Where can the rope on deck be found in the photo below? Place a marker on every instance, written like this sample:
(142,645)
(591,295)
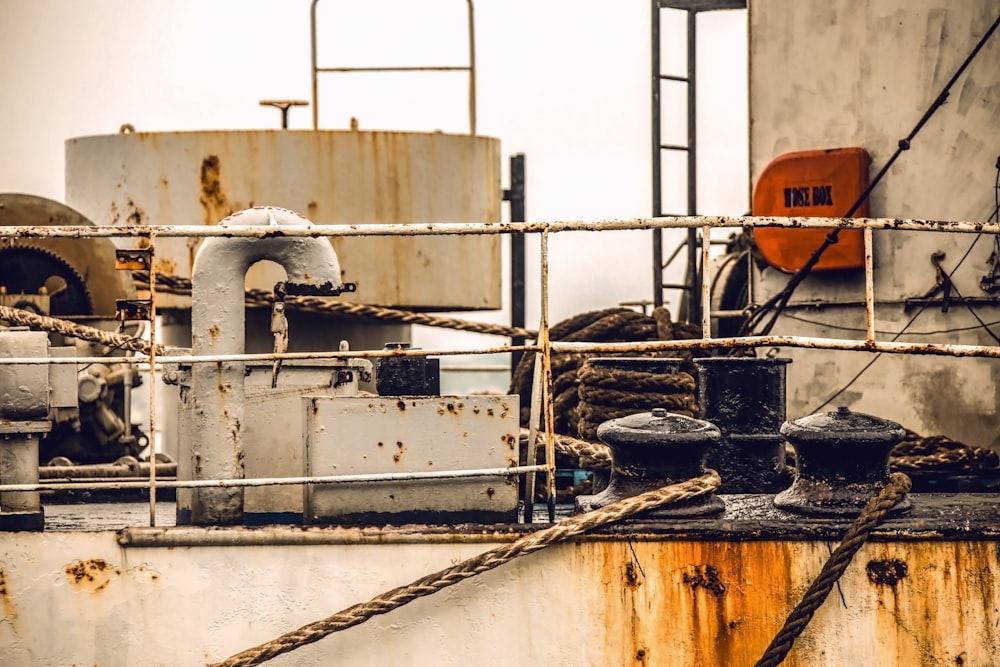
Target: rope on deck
(471,567)
(871,515)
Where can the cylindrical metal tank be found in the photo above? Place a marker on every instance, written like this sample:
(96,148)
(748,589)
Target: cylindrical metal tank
(330,177)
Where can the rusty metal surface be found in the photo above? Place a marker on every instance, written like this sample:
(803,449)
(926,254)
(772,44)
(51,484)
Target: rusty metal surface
(358,178)
(405,434)
(619,601)
(970,517)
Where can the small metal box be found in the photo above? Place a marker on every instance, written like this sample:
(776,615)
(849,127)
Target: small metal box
(411,434)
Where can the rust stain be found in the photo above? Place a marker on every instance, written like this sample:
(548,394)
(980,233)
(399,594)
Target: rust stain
(167,266)
(632,575)
(136,215)
(707,577)
(93,574)
(401,405)
(886,572)
(213,199)
(8,604)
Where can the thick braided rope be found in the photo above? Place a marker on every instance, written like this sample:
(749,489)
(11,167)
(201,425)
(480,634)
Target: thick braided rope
(262,298)
(857,534)
(432,583)
(66,328)
(590,454)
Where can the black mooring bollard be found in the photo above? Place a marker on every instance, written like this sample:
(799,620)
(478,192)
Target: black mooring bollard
(842,462)
(745,398)
(651,450)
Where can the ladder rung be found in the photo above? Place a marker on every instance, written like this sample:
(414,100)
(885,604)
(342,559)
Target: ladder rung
(673,77)
(674,147)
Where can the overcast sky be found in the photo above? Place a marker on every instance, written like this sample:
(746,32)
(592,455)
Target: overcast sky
(565,82)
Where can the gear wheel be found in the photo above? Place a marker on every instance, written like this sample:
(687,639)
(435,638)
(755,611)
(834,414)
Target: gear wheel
(26,269)
(84,280)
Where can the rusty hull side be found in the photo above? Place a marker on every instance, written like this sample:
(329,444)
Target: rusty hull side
(923,591)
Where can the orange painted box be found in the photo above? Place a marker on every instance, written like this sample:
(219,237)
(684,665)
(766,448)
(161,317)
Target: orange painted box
(818,184)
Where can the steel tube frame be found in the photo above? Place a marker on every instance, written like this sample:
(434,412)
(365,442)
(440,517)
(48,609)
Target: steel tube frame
(544,346)
(470,68)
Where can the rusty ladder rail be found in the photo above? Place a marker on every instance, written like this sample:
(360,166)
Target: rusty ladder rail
(470,68)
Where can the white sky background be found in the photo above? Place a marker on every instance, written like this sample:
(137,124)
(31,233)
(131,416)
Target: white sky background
(565,82)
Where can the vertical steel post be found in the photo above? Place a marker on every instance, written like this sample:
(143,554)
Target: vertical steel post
(693,273)
(516,196)
(656,157)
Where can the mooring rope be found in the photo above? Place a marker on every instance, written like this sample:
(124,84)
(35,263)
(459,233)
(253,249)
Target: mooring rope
(591,455)
(261,298)
(26,318)
(940,454)
(871,515)
(471,567)
(606,392)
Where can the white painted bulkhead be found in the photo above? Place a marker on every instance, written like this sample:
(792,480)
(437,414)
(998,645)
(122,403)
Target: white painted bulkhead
(856,73)
(79,598)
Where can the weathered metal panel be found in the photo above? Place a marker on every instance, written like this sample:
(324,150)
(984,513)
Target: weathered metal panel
(330,177)
(856,73)
(24,389)
(274,442)
(627,600)
(346,436)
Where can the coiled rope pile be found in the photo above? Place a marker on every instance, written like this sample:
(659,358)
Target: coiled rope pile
(584,397)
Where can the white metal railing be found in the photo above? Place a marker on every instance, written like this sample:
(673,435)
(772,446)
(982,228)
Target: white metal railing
(543,347)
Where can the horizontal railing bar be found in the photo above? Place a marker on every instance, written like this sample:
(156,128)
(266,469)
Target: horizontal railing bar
(276,481)
(403,68)
(891,347)
(459,228)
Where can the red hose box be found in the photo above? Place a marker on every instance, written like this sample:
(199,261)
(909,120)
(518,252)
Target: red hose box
(817,184)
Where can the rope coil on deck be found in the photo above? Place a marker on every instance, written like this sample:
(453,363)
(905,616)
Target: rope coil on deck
(583,397)
(871,515)
(427,585)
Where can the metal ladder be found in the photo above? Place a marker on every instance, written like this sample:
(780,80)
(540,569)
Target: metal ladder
(692,276)
(470,68)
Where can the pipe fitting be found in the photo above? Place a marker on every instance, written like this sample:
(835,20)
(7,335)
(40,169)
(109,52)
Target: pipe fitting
(217,327)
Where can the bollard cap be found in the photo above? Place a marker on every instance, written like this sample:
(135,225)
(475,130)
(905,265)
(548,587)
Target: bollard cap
(656,427)
(843,426)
